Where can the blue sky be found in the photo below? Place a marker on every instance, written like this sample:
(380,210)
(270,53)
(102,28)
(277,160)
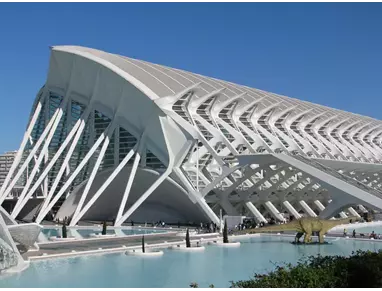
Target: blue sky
(326,53)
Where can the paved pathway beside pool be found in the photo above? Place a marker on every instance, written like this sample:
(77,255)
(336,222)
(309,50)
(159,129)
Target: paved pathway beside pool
(110,243)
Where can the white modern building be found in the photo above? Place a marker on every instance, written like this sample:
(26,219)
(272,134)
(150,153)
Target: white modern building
(115,138)
(6,161)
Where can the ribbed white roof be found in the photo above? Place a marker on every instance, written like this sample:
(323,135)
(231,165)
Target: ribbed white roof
(165,81)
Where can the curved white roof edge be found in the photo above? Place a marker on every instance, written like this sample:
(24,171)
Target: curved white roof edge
(138,84)
(164,75)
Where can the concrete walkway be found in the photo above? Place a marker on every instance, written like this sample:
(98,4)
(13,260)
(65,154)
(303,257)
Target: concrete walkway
(104,245)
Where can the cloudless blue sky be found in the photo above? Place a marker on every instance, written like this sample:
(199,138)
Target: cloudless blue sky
(326,53)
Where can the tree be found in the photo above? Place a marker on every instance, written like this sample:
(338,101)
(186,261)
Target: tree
(143,244)
(188,243)
(104,227)
(363,269)
(225,233)
(64,232)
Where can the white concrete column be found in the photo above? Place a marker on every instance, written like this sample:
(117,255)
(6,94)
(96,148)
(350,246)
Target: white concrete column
(105,185)
(252,208)
(228,207)
(147,193)
(343,215)
(90,180)
(353,212)
(319,205)
(44,211)
(30,156)
(211,215)
(291,209)
(362,208)
(21,149)
(129,183)
(273,210)
(307,209)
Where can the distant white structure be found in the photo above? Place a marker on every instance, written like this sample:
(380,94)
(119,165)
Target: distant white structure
(110,137)
(6,161)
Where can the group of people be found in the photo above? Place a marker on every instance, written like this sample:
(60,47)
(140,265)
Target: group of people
(372,235)
(209,227)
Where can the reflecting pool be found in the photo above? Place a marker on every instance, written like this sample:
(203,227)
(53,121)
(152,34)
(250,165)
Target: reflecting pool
(216,265)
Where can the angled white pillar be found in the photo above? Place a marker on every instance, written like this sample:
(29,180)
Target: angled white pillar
(307,209)
(21,149)
(44,212)
(91,179)
(273,210)
(130,182)
(30,156)
(319,205)
(35,160)
(211,215)
(291,209)
(105,185)
(353,212)
(45,186)
(362,208)
(252,208)
(343,215)
(65,163)
(147,193)
(227,206)
(60,111)
(20,204)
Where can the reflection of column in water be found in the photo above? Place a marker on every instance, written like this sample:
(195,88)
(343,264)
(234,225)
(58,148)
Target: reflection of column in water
(119,232)
(42,237)
(74,232)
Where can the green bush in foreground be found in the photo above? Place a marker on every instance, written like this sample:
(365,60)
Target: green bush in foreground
(363,269)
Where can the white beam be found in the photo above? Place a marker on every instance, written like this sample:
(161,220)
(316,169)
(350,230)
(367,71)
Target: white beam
(129,183)
(319,205)
(252,208)
(21,203)
(307,209)
(21,149)
(30,156)
(45,211)
(106,184)
(353,212)
(145,195)
(276,214)
(91,179)
(291,209)
(79,127)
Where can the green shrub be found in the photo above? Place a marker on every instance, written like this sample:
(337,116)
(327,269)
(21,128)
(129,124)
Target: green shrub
(188,243)
(360,270)
(225,233)
(363,269)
